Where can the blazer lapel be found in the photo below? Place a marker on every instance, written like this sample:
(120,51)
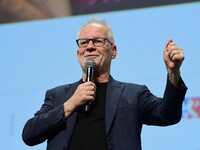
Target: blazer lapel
(113,95)
(71,121)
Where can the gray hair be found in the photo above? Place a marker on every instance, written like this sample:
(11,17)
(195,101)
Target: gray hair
(101,22)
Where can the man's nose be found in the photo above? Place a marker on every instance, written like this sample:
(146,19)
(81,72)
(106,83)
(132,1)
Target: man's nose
(91,44)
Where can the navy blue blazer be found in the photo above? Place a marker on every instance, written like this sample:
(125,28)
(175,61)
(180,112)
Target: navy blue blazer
(128,107)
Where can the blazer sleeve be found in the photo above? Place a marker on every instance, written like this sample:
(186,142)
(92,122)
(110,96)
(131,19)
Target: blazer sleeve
(163,111)
(44,122)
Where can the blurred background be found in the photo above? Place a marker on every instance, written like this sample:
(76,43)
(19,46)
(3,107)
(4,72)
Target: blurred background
(38,52)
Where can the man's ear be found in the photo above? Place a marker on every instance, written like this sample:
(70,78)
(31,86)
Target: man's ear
(114,51)
(77,53)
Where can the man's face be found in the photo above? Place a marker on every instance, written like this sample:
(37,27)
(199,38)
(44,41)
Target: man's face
(102,55)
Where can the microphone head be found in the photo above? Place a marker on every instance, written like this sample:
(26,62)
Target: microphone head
(90,63)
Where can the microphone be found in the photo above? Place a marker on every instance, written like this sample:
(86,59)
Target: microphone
(89,67)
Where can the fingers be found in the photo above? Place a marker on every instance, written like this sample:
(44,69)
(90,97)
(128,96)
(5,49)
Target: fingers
(168,42)
(176,55)
(165,52)
(174,52)
(85,92)
(89,90)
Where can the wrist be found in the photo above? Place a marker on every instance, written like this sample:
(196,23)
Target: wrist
(174,77)
(68,108)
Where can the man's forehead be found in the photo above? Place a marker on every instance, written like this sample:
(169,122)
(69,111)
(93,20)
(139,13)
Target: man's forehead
(93,28)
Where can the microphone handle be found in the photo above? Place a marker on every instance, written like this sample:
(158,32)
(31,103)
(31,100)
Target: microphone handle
(89,77)
(87,107)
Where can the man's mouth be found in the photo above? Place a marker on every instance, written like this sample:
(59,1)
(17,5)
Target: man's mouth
(91,56)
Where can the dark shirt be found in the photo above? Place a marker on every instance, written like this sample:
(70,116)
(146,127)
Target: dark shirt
(89,133)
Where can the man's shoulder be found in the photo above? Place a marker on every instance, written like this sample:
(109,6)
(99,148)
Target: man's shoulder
(126,84)
(65,87)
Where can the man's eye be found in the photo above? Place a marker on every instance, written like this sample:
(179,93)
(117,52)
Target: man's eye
(98,41)
(83,42)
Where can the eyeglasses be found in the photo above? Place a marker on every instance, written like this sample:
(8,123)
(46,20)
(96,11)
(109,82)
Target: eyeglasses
(98,42)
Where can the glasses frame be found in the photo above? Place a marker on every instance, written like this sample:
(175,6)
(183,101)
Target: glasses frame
(92,39)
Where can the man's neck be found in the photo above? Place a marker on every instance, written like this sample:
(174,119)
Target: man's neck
(103,78)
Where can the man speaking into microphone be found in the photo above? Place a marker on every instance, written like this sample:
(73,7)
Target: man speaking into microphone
(117,110)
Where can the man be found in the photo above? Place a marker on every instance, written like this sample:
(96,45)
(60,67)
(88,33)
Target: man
(118,109)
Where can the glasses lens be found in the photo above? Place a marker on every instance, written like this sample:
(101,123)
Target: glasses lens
(98,42)
(83,42)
